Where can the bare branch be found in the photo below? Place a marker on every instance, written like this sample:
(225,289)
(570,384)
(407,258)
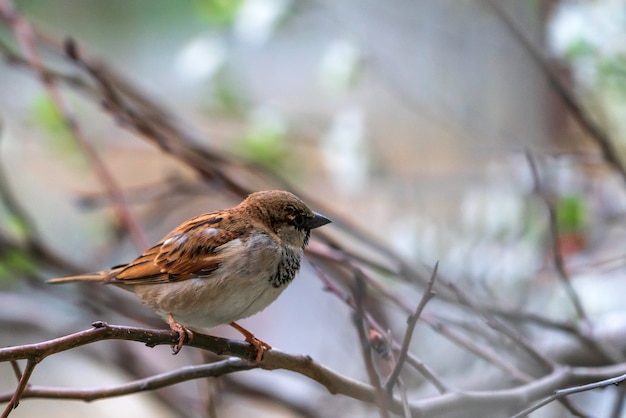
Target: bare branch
(102,331)
(426,372)
(486,353)
(21,387)
(570,391)
(504,329)
(183,374)
(412,321)
(16,369)
(359,322)
(559,263)
(272,359)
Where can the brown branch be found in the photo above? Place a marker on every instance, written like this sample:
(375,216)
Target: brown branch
(16,369)
(272,359)
(411,322)
(359,322)
(21,387)
(11,57)
(102,331)
(216,369)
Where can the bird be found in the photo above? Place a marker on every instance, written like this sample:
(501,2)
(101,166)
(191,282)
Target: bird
(221,266)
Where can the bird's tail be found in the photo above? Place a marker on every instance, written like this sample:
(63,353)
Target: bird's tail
(101,276)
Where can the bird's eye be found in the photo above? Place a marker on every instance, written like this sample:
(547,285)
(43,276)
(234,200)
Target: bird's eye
(298,221)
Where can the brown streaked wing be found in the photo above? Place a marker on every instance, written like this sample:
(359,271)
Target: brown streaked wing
(180,256)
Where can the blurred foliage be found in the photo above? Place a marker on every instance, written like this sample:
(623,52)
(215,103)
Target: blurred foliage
(218,12)
(47,116)
(578,49)
(612,74)
(13,262)
(571,214)
(265,142)
(16,226)
(228,95)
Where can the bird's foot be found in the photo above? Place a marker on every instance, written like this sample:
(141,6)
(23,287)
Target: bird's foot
(181,331)
(251,339)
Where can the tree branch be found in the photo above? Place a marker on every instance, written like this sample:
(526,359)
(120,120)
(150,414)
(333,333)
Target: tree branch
(412,321)
(216,369)
(272,360)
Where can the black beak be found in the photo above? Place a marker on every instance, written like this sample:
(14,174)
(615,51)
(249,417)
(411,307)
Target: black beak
(316,221)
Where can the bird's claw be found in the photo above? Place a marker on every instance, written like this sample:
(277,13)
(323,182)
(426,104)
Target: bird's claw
(182,333)
(260,347)
(251,339)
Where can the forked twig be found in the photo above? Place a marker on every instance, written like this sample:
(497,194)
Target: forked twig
(21,387)
(561,393)
(557,254)
(411,322)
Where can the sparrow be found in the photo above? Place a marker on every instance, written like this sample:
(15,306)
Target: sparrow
(221,266)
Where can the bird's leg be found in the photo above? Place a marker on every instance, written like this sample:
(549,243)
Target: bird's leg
(181,331)
(251,339)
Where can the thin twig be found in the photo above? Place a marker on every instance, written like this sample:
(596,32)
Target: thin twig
(359,322)
(486,353)
(184,374)
(16,369)
(21,387)
(419,365)
(482,352)
(570,391)
(504,329)
(411,322)
(557,254)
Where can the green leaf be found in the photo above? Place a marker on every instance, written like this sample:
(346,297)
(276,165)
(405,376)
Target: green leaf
(218,12)
(578,49)
(571,214)
(612,74)
(16,226)
(228,96)
(265,142)
(5,273)
(13,263)
(47,115)
(20,261)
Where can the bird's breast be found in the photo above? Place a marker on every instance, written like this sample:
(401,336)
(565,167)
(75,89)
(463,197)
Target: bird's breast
(288,266)
(253,273)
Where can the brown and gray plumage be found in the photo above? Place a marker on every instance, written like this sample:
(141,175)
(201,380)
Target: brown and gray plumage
(221,266)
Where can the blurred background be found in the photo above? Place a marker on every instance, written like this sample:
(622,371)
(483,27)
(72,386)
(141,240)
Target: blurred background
(410,120)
